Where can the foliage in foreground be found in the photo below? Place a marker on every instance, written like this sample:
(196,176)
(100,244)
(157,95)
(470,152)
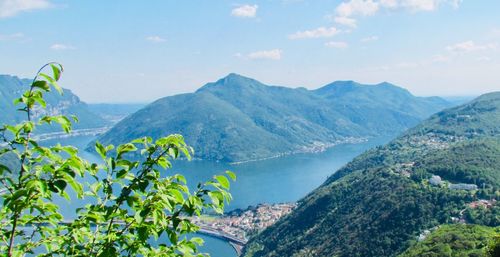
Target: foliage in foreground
(130,203)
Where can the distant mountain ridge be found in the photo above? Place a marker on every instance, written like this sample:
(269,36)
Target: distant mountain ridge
(240,119)
(12,87)
(445,170)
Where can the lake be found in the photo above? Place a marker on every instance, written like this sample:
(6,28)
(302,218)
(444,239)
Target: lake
(285,179)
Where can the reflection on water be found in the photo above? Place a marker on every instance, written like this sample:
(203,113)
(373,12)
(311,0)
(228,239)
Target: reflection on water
(284,179)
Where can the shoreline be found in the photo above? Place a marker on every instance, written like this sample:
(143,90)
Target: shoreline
(322,147)
(73,133)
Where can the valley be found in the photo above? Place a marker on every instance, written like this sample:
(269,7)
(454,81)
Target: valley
(284,128)
(288,170)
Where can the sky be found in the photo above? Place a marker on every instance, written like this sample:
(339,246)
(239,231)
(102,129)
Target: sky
(139,51)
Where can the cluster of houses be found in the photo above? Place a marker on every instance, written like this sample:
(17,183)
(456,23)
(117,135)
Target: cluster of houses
(434,141)
(240,223)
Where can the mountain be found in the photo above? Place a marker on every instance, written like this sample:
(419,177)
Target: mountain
(444,170)
(12,87)
(241,119)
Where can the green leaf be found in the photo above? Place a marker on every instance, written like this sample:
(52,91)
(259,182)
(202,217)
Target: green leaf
(37,97)
(64,122)
(121,173)
(197,240)
(177,195)
(231,175)
(100,150)
(223,181)
(41,84)
(57,186)
(56,71)
(53,82)
(125,148)
(74,184)
(4,168)
(163,162)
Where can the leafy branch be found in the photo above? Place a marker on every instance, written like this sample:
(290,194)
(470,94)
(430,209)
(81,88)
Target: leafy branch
(130,202)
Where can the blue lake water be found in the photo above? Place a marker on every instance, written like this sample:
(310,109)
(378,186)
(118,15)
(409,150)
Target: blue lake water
(285,179)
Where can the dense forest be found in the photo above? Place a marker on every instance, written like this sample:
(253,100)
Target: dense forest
(454,241)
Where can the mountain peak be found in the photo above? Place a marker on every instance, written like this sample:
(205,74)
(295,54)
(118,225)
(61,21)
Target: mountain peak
(233,75)
(385,83)
(235,78)
(232,81)
(343,87)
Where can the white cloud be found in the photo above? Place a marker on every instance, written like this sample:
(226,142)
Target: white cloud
(315,33)
(245,11)
(369,39)
(347,11)
(274,54)
(336,44)
(470,46)
(346,21)
(10,8)
(418,5)
(9,37)
(357,7)
(425,5)
(421,5)
(155,39)
(389,3)
(62,47)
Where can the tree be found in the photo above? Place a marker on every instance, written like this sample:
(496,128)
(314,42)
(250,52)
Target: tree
(132,202)
(494,247)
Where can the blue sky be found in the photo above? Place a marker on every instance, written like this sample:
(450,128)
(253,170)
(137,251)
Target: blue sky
(138,51)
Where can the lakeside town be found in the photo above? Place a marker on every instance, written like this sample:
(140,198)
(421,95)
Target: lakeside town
(242,224)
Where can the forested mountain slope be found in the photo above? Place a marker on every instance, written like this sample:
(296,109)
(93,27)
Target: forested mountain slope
(241,119)
(378,204)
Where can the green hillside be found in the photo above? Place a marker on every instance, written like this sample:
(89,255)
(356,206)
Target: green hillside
(12,87)
(454,241)
(240,119)
(378,204)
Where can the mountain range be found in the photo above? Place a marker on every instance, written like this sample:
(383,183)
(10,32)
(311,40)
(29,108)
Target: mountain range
(12,87)
(239,119)
(446,170)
